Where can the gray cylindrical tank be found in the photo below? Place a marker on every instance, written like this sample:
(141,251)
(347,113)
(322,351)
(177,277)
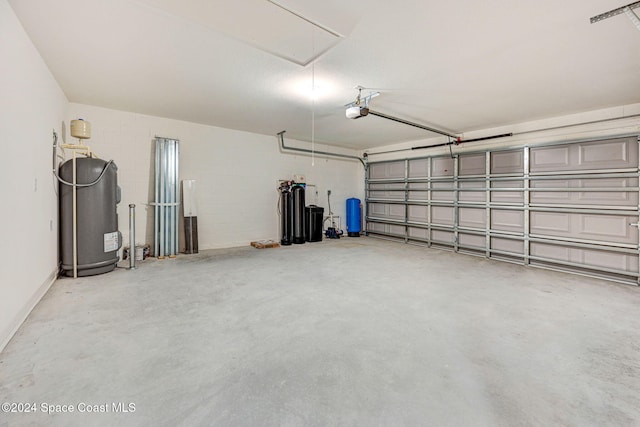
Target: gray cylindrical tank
(98,235)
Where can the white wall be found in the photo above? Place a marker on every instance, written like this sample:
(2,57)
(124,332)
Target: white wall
(32,105)
(236,174)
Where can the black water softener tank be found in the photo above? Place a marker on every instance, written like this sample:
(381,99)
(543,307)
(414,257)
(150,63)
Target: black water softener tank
(298,213)
(313,223)
(97,218)
(286,215)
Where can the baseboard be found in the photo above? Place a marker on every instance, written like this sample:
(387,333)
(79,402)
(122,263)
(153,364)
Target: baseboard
(19,319)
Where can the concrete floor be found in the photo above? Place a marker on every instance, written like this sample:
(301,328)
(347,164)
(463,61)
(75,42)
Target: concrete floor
(344,332)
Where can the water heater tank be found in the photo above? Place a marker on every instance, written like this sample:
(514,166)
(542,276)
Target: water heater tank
(97,219)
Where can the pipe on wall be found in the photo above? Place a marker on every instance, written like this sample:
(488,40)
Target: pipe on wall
(306,150)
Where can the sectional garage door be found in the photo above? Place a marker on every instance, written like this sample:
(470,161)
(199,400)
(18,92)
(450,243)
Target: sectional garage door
(570,207)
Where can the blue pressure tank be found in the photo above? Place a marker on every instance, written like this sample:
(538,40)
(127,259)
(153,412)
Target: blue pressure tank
(353,217)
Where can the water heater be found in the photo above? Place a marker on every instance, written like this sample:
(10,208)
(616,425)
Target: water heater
(98,238)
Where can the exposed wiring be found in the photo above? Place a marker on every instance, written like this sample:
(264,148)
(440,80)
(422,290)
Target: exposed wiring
(104,170)
(56,156)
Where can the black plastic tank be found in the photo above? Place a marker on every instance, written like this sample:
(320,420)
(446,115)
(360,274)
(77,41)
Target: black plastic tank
(286,216)
(97,219)
(298,213)
(313,223)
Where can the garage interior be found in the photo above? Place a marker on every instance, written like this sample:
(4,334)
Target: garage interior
(478,253)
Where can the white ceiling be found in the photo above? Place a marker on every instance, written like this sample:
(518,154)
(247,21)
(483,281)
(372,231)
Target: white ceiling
(457,65)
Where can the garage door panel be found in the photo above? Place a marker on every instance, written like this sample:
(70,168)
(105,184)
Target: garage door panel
(388,211)
(377,171)
(511,162)
(418,168)
(442,215)
(586,257)
(442,195)
(386,191)
(507,245)
(599,227)
(376,227)
(396,212)
(507,220)
(560,253)
(472,164)
(440,236)
(418,186)
(397,193)
(378,194)
(604,155)
(472,240)
(615,198)
(573,216)
(551,223)
(610,198)
(507,196)
(550,158)
(395,170)
(605,259)
(608,227)
(558,197)
(442,166)
(587,198)
(387,170)
(418,195)
(418,191)
(471,217)
(418,233)
(378,209)
(473,196)
(610,154)
(397,230)
(418,213)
